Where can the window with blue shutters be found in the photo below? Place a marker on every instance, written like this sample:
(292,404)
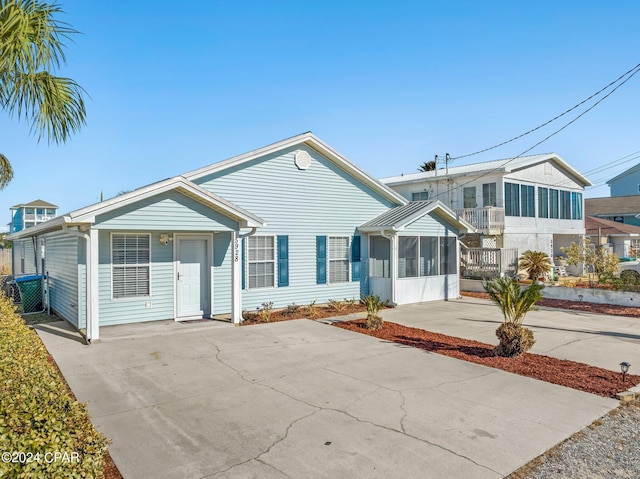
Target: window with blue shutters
(321,259)
(355,259)
(283,261)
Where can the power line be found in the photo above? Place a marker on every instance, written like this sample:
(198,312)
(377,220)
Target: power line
(636,68)
(556,117)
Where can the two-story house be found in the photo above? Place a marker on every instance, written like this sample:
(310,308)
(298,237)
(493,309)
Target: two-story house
(26,215)
(527,203)
(623,206)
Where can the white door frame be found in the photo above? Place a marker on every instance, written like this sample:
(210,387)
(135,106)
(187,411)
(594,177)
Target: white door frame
(209,265)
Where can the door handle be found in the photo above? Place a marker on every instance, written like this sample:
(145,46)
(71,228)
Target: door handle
(178,275)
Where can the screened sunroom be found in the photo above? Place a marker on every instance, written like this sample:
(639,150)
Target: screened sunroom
(414,253)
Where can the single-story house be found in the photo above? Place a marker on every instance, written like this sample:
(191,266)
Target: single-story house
(621,239)
(292,222)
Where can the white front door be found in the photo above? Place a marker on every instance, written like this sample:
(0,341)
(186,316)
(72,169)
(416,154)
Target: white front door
(193,277)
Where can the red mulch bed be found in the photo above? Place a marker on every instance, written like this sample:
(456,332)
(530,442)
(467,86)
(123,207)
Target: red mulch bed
(557,371)
(303,312)
(611,309)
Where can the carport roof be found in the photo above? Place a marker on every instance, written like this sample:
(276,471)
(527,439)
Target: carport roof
(398,218)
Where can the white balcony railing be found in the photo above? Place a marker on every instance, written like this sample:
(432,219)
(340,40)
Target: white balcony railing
(487,220)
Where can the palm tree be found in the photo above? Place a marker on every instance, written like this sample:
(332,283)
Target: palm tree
(514,302)
(427,166)
(31,48)
(535,263)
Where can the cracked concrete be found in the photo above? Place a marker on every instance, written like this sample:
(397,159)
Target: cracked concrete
(596,339)
(300,399)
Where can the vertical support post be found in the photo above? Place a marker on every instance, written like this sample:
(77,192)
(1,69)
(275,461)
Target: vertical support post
(93,323)
(394,267)
(236,280)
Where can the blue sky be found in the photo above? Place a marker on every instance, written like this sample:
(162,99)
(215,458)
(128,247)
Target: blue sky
(174,86)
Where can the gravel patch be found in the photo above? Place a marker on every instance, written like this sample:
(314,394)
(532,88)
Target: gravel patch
(608,448)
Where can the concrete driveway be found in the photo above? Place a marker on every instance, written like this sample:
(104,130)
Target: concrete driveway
(596,339)
(300,399)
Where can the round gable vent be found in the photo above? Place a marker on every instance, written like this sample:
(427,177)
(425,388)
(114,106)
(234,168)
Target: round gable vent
(302,160)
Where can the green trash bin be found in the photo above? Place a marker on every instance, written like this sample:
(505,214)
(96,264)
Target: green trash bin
(30,288)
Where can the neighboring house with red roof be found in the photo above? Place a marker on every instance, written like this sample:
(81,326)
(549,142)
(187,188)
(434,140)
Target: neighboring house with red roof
(621,209)
(622,239)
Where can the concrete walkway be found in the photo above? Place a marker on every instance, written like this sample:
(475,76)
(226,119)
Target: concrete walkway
(599,340)
(300,399)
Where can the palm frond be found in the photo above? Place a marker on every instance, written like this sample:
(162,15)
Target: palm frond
(6,171)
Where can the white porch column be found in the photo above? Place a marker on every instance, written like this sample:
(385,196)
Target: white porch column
(394,267)
(93,323)
(236,280)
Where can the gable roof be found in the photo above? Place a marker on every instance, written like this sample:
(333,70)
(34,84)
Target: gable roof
(631,170)
(594,226)
(612,205)
(503,166)
(35,204)
(88,214)
(310,140)
(400,217)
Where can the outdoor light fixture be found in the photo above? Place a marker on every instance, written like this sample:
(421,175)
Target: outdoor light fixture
(165,238)
(624,367)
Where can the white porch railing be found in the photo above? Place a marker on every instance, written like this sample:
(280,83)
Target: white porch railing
(488,220)
(488,262)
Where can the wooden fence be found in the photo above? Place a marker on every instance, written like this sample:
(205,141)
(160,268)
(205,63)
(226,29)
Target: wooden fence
(5,261)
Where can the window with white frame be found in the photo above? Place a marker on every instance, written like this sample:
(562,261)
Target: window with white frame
(407,256)
(489,194)
(420,196)
(634,248)
(130,265)
(261,261)
(338,256)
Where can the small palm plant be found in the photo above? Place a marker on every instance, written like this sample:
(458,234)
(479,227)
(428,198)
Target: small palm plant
(514,302)
(535,263)
(373,304)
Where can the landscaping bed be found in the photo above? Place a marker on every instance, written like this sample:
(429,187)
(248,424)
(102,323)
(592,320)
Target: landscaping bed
(571,374)
(610,309)
(312,311)
(39,417)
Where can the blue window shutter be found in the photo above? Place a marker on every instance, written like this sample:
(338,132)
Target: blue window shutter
(355,259)
(242,263)
(283,261)
(321,259)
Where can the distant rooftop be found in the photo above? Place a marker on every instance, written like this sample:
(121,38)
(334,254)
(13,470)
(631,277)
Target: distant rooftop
(35,204)
(505,165)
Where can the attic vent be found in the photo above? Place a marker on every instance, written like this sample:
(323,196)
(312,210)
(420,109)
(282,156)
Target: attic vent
(302,160)
(547,169)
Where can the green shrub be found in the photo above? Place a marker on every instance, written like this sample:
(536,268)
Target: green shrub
(535,263)
(337,305)
(312,309)
(265,313)
(513,340)
(291,310)
(38,415)
(373,305)
(514,302)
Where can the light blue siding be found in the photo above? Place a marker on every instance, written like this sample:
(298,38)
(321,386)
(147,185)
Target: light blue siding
(302,204)
(429,225)
(65,280)
(168,211)
(222,260)
(24,257)
(627,185)
(132,310)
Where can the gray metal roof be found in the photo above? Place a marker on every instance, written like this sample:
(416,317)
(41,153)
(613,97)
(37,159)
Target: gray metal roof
(401,216)
(506,165)
(397,216)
